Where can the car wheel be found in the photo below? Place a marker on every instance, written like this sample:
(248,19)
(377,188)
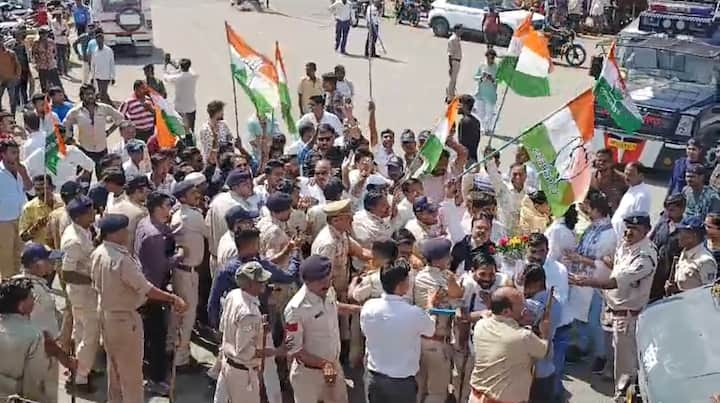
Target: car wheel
(440,27)
(504,36)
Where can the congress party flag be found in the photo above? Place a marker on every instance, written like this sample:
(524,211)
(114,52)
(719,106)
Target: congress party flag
(255,73)
(431,150)
(527,65)
(169,125)
(284,92)
(558,149)
(54,142)
(611,94)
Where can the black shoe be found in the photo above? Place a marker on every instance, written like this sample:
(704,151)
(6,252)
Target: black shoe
(598,366)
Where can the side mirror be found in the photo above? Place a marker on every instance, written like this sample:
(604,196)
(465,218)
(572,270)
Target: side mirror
(596,64)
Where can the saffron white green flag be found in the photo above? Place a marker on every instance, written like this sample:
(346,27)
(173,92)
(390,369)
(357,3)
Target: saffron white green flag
(284,92)
(611,94)
(255,73)
(558,149)
(527,65)
(432,149)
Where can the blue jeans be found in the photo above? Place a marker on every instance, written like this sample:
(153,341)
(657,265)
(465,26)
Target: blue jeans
(342,29)
(561,341)
(591,336)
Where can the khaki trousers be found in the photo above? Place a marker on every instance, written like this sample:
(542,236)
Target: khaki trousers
(86,326)
(185,285)
(237,386)
(454,66)
(434,375)
(461,376)
(11,249)
(123,340)
(625,347)
(309,385)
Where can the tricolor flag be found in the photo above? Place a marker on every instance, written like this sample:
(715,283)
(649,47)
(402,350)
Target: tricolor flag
(612,95)
(255,73)
(169,125)
(284,92)
(431,150)
(527,65)
(558,149)
(54,143)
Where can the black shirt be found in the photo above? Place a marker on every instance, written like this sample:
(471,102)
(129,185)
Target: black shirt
(469,134)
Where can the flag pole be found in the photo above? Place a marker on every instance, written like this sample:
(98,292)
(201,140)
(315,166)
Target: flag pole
(232,78)
(515,139)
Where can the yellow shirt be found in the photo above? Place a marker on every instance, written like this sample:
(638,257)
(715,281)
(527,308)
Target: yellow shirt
(307,89)
(504,356)
(33,213)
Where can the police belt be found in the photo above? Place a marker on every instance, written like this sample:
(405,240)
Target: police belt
(75,278)
(236,365)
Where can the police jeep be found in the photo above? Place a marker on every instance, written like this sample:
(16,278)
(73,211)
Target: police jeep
(678,350)
(670,58)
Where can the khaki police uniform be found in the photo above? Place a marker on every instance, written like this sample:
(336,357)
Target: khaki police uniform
(47,318)
(122,289)
(242,330)
(312,326)
(454,51)
(134,212)
(190,232)
(57,222)
(695,268)
(24,362)
(436,356)
(633,270)
(274,237)
(76,244)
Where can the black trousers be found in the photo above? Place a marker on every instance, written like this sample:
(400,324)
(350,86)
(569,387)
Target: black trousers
(95,156)
(542,390)
(155,324)
(384,389)
(49,78)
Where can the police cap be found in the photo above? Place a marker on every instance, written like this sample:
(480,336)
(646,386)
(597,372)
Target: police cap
(315,267)
(278,202)
(111,223)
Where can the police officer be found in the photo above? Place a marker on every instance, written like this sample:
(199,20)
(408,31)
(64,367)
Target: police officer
(628,290)
(132,205)
(190,232)
(696,265)
(122,288)
(24,362)
(313,335)
(243,329)
(36,265)
(237,218)
(436,352)
(77,245)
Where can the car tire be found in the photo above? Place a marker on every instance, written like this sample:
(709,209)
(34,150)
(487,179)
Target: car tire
(504,36)
(440,27)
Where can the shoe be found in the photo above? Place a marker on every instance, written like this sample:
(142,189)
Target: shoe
(598,366)
(157,388)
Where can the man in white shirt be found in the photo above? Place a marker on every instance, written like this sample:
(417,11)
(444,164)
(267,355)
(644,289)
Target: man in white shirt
(14,182)
(185,82)
(342,11)
(636,199)
(318,115)
(67,167)
(393,329)
(102,68)
(35,137)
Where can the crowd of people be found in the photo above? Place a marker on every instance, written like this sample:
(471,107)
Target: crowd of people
(305,255)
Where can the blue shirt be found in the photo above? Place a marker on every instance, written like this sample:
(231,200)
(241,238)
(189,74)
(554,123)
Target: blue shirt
(225,282)
(62,109)
(677,179)
(545,367)
(81,15)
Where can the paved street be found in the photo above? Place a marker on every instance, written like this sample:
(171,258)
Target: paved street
(408,85)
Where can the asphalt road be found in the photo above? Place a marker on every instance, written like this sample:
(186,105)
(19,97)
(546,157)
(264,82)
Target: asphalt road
(408,84)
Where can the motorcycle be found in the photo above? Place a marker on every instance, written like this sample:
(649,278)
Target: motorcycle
(561,43)
(409,12)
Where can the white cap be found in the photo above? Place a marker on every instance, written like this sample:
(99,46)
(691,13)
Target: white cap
(196,178)
(376,180)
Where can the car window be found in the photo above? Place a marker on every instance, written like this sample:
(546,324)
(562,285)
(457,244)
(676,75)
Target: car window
(480,4)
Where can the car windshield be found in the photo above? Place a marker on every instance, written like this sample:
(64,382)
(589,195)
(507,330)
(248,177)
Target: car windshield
(642,61)
(119,5)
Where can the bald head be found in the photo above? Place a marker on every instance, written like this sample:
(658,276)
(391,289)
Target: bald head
(507,301)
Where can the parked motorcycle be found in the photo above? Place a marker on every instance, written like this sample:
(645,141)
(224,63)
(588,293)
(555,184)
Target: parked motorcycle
(408,12)
(561,43)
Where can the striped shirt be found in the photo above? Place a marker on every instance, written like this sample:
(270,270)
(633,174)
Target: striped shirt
(135,111)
